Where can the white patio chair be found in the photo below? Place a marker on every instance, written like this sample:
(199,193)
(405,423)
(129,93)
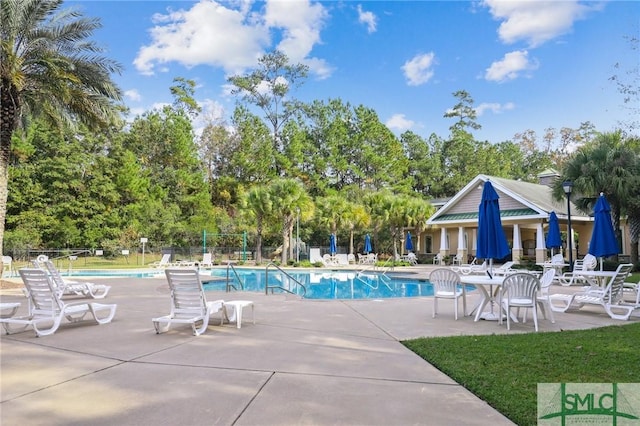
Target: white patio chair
(47,310)
(438,259)
(188,302)
(543,296)
(519,290)
(7,266)
(446,285)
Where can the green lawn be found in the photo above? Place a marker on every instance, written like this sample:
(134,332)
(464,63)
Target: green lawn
(504,370)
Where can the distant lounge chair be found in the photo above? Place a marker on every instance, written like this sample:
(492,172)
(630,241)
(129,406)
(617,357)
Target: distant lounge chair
(206,261)
(47,310)
(165,262)
(188,302)
(505,269)
(474,269)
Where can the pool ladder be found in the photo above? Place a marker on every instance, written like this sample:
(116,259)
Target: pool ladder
(268,287)
(230,285)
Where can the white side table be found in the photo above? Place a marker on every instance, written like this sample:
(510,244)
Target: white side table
(236,313)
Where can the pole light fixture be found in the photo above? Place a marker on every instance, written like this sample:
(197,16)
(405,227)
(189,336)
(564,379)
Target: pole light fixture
(567,186)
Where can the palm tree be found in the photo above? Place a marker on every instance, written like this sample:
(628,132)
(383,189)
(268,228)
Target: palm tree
(259,205)
(608,165)
(334,212)
(49,69)
(419,211)
(357,217)
(288,195)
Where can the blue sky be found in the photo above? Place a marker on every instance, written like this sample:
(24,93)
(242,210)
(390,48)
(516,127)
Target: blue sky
(528,65)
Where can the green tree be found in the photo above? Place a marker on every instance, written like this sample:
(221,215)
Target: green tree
(607,165)
(163,143)
(49,68)
(464,111)
(268,87)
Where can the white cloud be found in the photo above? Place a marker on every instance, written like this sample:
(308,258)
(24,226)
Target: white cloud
(418,70)
(233,39)
(368,18)
(496,108)
(133,94)
(536,22)
(399,122)
(510,67)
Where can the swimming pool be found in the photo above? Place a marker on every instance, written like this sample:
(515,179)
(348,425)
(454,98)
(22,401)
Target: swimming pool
(328,284)
(130,273)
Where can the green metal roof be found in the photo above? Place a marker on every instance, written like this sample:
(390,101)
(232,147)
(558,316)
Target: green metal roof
(474,215)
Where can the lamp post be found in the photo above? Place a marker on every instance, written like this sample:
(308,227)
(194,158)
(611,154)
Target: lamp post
(567,186)
(298,234)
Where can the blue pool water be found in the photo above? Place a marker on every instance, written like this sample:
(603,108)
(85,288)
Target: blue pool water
(327,284)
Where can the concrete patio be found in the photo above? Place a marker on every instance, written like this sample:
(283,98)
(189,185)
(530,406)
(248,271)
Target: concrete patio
(304,362)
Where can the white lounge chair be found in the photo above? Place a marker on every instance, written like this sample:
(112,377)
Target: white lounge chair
(505,269)
(74,288)
(632,290)
(206,261)
(519,290)
(47,310)
(609,297)
(588,263)
(446,285)
(474,269)
(188,302)
(165,262)
(315,256)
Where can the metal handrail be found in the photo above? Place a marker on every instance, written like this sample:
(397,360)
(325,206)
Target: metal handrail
(229,285)
(273,287)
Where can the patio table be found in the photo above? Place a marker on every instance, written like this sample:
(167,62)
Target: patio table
(482,282)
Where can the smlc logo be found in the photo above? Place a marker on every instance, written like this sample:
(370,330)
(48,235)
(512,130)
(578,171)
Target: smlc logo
(588,403)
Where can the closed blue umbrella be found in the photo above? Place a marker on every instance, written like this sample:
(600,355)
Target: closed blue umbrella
(332,244)
(408,244)
(603,240)
(553,236)
(367,244)
(491,241)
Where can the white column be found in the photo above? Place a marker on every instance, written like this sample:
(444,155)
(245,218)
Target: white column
(443,241)
(516,251)
(462,247)
(541,249)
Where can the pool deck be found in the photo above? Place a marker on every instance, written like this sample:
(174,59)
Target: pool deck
(304,362)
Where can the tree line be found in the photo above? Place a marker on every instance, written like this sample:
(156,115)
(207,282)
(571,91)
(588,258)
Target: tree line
(328,166)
